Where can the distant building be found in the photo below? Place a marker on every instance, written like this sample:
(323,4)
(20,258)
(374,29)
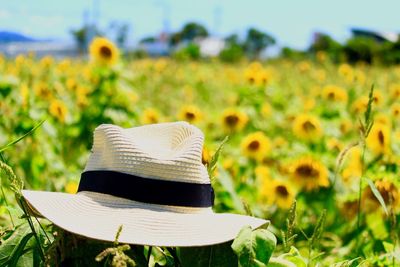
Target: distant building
(377,36)
(210,46)
(40,49)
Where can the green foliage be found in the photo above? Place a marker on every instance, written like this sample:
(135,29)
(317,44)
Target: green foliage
(361,49)
(325,43)
(218,255)
(231,53)
(256,41)
(378,195)
(189,32)
(289,236)
(20,248)
(292,258)
(189,52)
(254,248)
(214,159)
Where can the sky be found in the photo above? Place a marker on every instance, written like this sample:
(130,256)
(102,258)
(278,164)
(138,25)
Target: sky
(291,22)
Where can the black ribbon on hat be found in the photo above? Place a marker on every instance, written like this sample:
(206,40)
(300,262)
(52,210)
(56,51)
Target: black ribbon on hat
(147,190)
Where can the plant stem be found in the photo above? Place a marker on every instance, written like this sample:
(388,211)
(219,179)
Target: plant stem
(359,197)
(4,195)
(41,252)
(148,255)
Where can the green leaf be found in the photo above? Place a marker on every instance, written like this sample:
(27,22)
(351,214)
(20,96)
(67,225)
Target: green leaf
(18,250)
(22,137)
(295,257)
(376,225)
(254,247)
(225,180)
(367,114)
(318,230)
(213,162)
(220,255)
(161,257)
(378,195)
(8,246)
(279,262)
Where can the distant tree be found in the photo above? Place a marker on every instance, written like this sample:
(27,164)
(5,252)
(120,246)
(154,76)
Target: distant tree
(233,50)
(293,54)
(121,30)
(390,52)
(233,39)
(361,49)
(256,41)
(189,32)
(323,42)
(149,39)
(83,35)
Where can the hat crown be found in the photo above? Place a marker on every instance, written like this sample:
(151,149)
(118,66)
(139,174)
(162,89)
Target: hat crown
(165,151)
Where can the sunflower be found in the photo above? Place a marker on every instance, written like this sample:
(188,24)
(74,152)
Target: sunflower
(266,110)
(360,105)
(71,187)
(334,144)
(378,97)
(334,93)
(309,173)
(395,91)
(321,56)
(263,77)
(256,146)
(353,168)
(234,120)
(349,209)
(230,165)
(307,127)
(24,92)
(389,192)
(58,110)
(382,118)
(345,126)
(150,116)
(304,66)
(205,156)
(262,173)
(43,91)
(190,114)
(378,139)
(395,110)
(103,51)
(346,71)
(277,192)
(71,84)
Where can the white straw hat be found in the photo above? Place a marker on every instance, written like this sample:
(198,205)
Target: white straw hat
(150,180)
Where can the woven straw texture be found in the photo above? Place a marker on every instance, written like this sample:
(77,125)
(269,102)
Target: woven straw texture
(167,151)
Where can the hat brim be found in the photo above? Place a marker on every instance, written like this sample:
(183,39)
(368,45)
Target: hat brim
(99,216)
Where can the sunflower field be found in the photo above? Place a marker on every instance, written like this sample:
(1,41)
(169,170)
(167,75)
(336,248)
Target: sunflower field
(312,146)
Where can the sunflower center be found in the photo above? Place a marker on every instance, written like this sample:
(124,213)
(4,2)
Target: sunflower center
(308,126)
(231,120)
(331,95)
(282,191)
(307,171)
(254,145)
(105,52)
(59,111)
(190,115)
(381,138)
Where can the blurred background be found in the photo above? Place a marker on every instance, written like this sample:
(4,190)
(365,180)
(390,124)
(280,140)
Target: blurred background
(347,30)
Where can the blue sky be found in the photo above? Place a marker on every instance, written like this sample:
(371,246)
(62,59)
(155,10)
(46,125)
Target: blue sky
(291,22)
